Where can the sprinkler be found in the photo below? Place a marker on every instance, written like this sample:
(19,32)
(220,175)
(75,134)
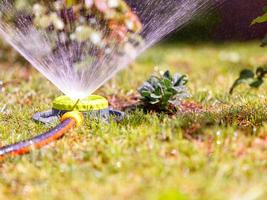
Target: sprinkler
(71,113)
(93,106)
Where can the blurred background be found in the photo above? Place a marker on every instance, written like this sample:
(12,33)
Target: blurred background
(230,21)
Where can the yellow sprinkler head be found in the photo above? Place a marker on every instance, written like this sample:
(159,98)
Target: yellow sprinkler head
(91,103)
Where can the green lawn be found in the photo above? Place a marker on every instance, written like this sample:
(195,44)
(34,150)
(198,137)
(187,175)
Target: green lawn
(218,152)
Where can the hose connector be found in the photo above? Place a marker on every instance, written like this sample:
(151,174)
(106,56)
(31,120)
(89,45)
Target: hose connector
(77,116)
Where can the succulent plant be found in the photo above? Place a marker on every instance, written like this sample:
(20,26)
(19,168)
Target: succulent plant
(165,91)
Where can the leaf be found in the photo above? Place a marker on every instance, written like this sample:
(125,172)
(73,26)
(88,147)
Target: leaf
(176,78)
(248,77)
(154,96)
(265,9)
(166,97)
(154,81)
(182,80)
(264,41)
(245,76)
(260,19)
(246,73)
(167,75)
(167,83)
(145,93)
(154,102)
(236,83)
(256,84)
(147,86)
(261,72)
(173,90)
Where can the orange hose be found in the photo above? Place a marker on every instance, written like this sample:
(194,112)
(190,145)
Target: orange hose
(38,141)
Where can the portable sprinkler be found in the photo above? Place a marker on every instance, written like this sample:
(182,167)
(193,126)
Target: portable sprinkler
(93,106)
(71,113)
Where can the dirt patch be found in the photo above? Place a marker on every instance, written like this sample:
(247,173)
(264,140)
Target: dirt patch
(123,102)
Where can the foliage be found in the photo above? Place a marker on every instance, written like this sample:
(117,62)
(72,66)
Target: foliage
(254,80)
(161,93)
(262,19)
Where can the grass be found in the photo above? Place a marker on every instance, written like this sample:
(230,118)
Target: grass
(219,152)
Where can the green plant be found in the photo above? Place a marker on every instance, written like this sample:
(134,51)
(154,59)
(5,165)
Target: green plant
(254,80)
(259,20)
(164,92)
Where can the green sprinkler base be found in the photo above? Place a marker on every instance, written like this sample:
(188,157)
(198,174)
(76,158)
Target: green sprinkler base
(94,106)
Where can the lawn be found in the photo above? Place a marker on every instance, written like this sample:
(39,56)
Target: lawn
(215,148)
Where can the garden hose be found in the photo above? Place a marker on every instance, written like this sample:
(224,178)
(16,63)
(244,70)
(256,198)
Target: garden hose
(71,112)
(68,121)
